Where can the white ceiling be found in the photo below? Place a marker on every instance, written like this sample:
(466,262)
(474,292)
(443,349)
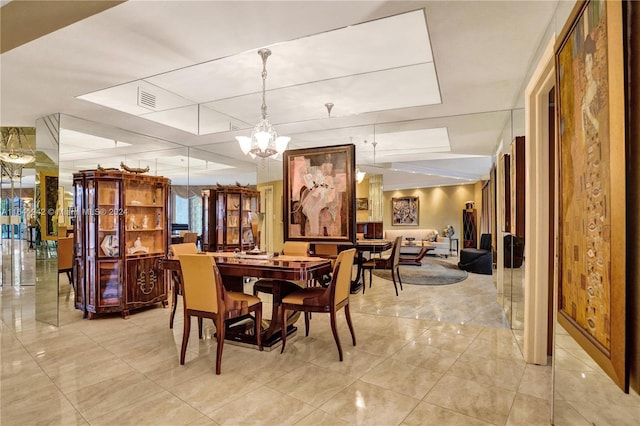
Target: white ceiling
(375,74)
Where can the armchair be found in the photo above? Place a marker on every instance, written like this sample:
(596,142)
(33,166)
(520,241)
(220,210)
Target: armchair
(479,261)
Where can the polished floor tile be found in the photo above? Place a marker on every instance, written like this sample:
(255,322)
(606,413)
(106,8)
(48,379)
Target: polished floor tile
(440,355)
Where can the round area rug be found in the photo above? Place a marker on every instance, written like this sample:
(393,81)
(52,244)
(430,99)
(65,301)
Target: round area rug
(432,272)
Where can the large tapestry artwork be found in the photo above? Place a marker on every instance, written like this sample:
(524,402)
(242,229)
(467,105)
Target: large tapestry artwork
(591,140)
(319,194)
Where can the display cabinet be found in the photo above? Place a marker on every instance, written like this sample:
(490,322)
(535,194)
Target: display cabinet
(121,233)
(469,229)
(230,218)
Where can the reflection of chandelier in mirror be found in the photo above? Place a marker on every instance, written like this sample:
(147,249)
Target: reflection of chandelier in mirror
(264,141)
(12,150)
(11,171)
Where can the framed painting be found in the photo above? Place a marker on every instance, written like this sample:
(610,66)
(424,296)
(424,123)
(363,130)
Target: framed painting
(319,194)
(591,143)
(362,203)
(48,206)
(404,211)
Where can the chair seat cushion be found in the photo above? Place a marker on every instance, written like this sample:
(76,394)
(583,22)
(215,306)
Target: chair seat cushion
(476,260)
(308,296)
(377,262)
(236,295)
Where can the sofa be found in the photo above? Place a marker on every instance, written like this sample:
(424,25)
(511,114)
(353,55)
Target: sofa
(422,236)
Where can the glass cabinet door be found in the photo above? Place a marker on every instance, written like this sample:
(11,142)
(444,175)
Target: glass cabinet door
(233,219)
(144,218)
(108,210)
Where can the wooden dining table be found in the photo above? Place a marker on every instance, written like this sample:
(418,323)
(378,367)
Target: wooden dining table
(235,267)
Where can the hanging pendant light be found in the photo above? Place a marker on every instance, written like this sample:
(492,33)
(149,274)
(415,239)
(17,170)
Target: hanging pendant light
(264,141)
(12,150)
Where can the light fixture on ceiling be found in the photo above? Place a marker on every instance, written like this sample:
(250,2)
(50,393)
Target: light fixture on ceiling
(359,173)
(329,107)
(264,141)
(12,150)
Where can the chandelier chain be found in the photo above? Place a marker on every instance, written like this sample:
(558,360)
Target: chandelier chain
(264,54)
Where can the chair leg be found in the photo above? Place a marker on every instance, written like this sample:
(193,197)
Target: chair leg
(199,327)
(393,277)
(347,313)
(399,279)
(185,337)
(174,301)
(283,321)
(307,315)
(334,330)
(258,327)
(220,330)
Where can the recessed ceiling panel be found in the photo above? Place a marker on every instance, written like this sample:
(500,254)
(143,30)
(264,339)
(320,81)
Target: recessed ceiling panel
(392,42)
(352,67)
(350,95)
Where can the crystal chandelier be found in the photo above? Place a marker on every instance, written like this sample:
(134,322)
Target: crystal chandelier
(264,141)
(12,150)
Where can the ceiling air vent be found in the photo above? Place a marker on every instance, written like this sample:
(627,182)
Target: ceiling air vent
(146,99)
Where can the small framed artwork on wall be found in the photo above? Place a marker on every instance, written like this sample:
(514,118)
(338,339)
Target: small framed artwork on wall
(362,204)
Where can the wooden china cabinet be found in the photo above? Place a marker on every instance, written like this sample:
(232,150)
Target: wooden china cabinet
(230,218)
(120,234)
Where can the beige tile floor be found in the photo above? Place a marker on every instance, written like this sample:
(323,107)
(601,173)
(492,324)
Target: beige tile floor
(434,355)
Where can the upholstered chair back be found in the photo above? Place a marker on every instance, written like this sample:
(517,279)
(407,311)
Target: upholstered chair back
(185,248)
(485,242)
(65,253)
(342,275)
(200,289)
(395,252)
(296,248)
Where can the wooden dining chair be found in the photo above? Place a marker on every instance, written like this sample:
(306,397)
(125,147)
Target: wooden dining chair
(327,251)
(175,251)
(204,296)
(392,262)
(189,237)
(329,300)
(280,288)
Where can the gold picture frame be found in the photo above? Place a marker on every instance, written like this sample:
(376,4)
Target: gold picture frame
(591,144)
(319,194)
